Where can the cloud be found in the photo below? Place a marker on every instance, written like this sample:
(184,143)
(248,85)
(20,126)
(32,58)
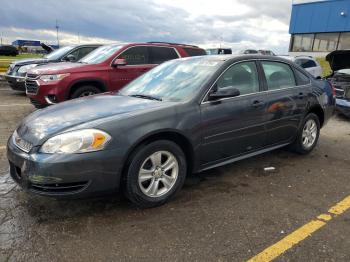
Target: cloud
(234,23)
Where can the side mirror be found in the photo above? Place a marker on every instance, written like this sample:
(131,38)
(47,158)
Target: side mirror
(70,58)
(119,62)
(225,92)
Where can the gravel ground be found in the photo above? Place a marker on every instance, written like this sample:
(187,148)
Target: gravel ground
(226,214)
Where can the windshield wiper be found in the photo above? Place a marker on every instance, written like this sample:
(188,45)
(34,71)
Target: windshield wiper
(147,97)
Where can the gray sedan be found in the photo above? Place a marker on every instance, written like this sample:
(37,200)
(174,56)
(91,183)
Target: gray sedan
(182,117)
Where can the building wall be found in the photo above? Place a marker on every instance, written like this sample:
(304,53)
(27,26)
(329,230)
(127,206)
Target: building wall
(324,16)
(320,27)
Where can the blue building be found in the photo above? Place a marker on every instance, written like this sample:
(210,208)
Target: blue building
(29,43)
(319,27)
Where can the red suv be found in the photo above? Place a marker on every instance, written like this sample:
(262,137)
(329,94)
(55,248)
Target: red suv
(107,68)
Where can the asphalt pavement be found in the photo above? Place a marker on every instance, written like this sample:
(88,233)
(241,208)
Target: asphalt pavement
(232,213)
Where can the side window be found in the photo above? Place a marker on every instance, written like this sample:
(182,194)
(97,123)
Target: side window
(243,76)
(162,54)
(75,53)
(137,55)
(302,79)
(278,75)
(195,51)
(84,51)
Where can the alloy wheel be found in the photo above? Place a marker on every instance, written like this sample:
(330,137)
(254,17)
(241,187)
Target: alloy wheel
(309,133)
(158,174)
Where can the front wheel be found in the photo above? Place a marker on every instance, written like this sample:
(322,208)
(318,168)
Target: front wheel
(308,135)
(85,91)
(156,172)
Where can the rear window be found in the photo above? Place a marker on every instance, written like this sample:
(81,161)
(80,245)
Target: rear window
(195,51)
(159,55)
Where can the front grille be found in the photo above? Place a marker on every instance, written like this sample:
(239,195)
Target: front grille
(58,188)
(31,86)
(33,76)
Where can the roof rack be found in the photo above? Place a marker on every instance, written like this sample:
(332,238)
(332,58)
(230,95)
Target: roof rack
(159,42)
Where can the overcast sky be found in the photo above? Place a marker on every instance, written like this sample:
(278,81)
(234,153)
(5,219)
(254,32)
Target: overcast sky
(239,24)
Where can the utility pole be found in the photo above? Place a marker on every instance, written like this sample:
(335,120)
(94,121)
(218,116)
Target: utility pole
(57,27)
(1,38)
(78,37)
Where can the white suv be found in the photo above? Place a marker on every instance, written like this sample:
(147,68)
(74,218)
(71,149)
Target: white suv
(309,63)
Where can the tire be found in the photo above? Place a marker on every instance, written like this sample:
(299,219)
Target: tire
(85,91)
(138,188)
(301,147)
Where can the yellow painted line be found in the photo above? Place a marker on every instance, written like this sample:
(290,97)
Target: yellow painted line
(341,207)
(324,217)
(301,233)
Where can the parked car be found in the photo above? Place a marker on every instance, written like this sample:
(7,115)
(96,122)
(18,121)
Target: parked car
(266,52)
(184,116)
(249,52)
(17,70)
(8,50)
(107,68)
(340,78)
(219,51)
(309,63)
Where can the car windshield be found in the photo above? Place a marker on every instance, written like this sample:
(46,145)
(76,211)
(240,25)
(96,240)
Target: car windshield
(176,80)
(59,53)
(100,54)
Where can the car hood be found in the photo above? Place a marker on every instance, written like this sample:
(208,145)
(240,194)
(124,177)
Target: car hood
(30,61)
(339,59)
(54,68)
(40,125)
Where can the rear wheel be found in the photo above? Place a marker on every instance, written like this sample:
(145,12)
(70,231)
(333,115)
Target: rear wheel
(85,91)
(156,173)
(308,135)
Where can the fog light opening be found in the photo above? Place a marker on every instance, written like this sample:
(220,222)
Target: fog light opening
(51,99)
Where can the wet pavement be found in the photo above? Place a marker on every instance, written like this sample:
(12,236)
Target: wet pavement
(226,214)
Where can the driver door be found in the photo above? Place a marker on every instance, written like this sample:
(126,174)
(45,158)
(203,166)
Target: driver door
(137,63)
(234,126)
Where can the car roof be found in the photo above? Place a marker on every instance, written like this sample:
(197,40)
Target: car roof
(293,58)
(155,44)
(231,58)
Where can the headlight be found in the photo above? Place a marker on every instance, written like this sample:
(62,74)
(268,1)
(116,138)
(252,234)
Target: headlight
(81,141)
(24,69)
(51,78)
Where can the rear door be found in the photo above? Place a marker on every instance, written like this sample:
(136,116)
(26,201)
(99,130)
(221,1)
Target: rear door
(234,126)
(286,102)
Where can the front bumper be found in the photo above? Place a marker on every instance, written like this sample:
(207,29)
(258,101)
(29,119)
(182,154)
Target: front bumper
(16,82)
(65,176)
(343,106)
(48,93)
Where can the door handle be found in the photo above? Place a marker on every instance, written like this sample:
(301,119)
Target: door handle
(258,103)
